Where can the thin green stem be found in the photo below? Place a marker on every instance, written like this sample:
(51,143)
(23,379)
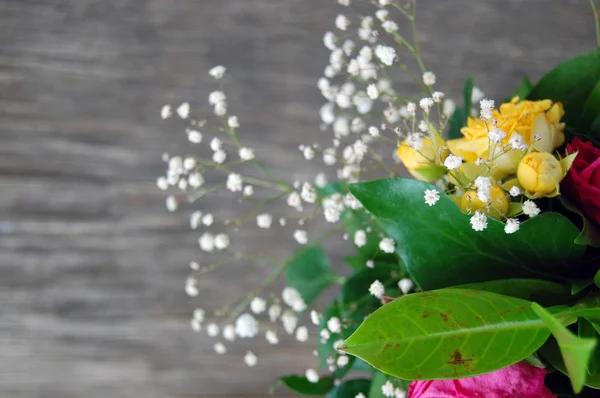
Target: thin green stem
(596,21)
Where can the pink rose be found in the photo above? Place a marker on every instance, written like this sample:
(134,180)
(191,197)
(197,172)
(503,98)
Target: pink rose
(520,380)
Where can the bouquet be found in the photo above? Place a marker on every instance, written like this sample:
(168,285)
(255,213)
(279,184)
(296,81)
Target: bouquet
(477,277)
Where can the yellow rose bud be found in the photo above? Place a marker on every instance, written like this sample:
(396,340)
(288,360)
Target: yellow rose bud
(419,163)
(497,206)
(539,173)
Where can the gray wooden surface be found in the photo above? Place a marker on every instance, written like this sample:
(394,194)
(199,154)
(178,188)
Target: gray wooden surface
(91,265)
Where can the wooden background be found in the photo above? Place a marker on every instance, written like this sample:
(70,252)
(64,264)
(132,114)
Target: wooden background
(92,267)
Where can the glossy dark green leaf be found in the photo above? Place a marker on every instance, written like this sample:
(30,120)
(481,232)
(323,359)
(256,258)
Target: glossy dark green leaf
(301,385)
(575,351)
(579,285)
(590,234)
(522,91)
(551,353)
(591,108)
(597,279)
(309,272)
(571,83)
(541,291)
(586,329)
(439,248)
(379,379)
(350,389)
(447,334)
(459,117)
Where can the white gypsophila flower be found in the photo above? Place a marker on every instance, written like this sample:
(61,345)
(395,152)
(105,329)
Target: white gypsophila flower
(426,104)
(271,337)
(219,156)
(478,221)
(191,286)
(222,241)
(274,312)
(300,236)
(216,97)
(388,389)
(370,264)
(342,361)
(384,3)
(220,348)
(360,395)
(449,108)
(363,103)
(415,141)
(208,219)
(264,220)
(162,183)
(302,334)
(320,180)
(289,321)
(329,40)
(437,96)
(405,285)
(341,127)
(483,185)
(195,179)
(477,95)
(382,14)
(294,200)
(514,191)
(512,226)
(308,193)
(453,162)
(258,305)
(399,393)
(308,153)
(360,238)
(291,297)
(390,26)
(234,182)
(325,335)
(248,190)
(233,122)
(183,110)
(250,359)
(517,142)
(334,325)
(377,289)
(423,126)
(194,266)
(220,109)
(229,332)
(312,376)
(198,314)
(372,91)
(332,208)
(345,3)
(348,47)
(195,325)
(338,344)
(206,242)
(496,135)
(171,203)
(182,184)
(194,136)
(212,329)
(166,112)
(487,107)
(246,326)
(411,109)
(217,71)
(530,208)
(341,22)
(315,317)
(431,196)
(387,245)
(374,131)
(246,154)
(429,78)
(386,54)
(353,67)
(215,144)
(329,157)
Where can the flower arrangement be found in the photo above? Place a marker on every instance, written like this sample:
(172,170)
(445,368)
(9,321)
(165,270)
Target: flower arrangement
(477,277)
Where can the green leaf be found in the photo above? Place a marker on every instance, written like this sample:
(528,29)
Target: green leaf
(589,235)
(587,329)
(523,91)
(573,83)
(551,353)
(597,279)
(448,334)
(459,117)
(439,248)
(350,388)
(578,285)
(575,351)
(301,385)
(545,292)
(379,379)
(309,272)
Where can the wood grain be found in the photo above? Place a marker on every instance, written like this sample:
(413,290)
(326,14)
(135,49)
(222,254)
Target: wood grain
(92,266)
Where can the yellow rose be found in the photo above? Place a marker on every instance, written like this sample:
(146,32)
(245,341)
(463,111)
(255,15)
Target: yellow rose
(540,173)
(497,207)
(526,118)
(424,164)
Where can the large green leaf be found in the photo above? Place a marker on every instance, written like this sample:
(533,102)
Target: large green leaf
(379,379)
(587,329)
(309,272)
(439,248)
(545,292)
(350,388)
(301,385)
(551,353)
(447,334)
(460,115)
(575,351)
(572,83)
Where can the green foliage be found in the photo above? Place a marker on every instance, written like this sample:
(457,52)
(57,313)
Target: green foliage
(301,385)
(575,351)
(439,248)
(350,388)
(459,117)
(425,335)
(309,272)
(589,235)
(545,292)
(574,83)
